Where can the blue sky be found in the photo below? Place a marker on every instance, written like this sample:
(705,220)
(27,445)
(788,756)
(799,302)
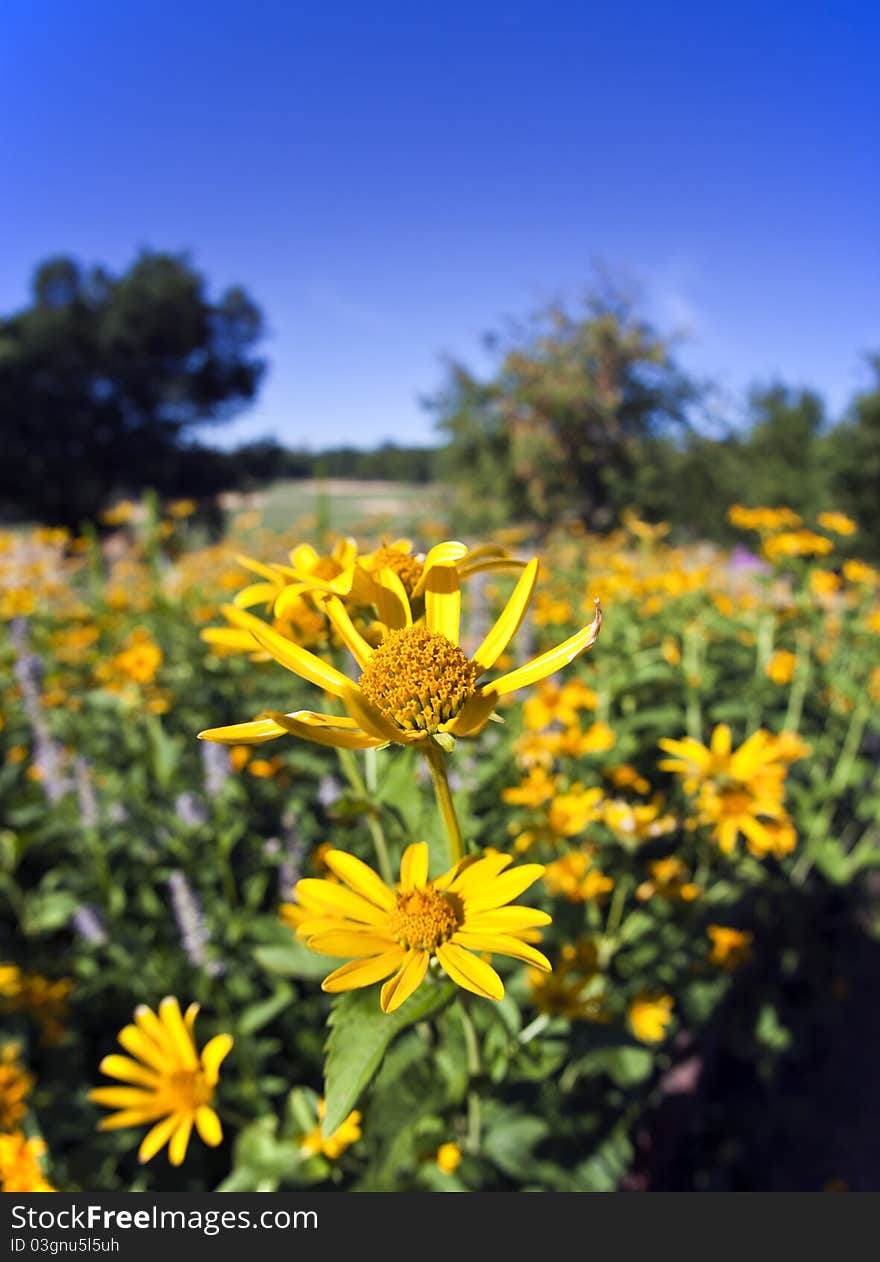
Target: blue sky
(391,180)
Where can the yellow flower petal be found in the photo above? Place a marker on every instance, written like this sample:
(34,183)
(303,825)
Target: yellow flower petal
(391,600)
(369,718)
(507,919)
(157,1138)
(551,661)
(344,734)
(470,972)
(502,944)
(314,893)
(148,1021)
(414,866)
(213,1055)
(208,1126)
(253,733)
(134,1040)
(180,1139)
(360,973)
(362,879)
(255,594)
(299,660)
(399,988)
(127,1070)
(351,943)
(126,1119)
(123,1098)
(445,554)
(443,601)
(171,1017)
(476,872)
(509,620)
(503,889)
(473,715)
(360,650)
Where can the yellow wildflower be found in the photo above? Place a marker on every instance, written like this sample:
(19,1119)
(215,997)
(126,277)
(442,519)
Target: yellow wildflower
(418,684)
(331,1146)
(729,947)
(16,1085)
(448,1158)
(455,918)
(20,1169)
(172,1084)
(650,1015)
(839,523)
(780,667)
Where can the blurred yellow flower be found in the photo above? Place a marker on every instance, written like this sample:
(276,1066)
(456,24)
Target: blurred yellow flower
(780,667)
(172,1084)
(331,1146)
(574,878)
(650,1015)
(839,523)
(16,1085)
(729,947)
(448,1158)
(20,1169)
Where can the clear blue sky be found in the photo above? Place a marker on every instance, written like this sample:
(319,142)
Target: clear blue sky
(390,180)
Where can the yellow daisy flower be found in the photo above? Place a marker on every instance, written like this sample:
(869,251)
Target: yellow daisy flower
(418,684)
(649,1015)
(395,933)
(173,1085)
(331,1146)
(20,1169)
(448,1157)
(696,763)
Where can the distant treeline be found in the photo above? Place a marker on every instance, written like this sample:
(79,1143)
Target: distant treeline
(106,379)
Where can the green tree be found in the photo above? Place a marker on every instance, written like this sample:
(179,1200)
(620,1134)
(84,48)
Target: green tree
(783,452)
(560,429)
(853,450)
(103,377)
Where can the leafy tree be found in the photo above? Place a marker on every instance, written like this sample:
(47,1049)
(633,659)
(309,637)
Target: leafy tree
(102,378)
(854,459)
(782,454)
(560,429)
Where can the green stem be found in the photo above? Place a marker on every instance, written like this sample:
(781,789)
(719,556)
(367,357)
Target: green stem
(798,691)
(437,767)
(691,670)
(366,789)
(838,782)
(474,1065)
(763,649)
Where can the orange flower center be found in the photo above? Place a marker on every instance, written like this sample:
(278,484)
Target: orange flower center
(406,567)
(327,568)
(417,679)
(424,919)
(184,1091)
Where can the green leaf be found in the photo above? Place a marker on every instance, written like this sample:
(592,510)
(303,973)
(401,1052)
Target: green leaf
(48,910)
(256,1015)
(294,959)
(360,1035)
(509,1141)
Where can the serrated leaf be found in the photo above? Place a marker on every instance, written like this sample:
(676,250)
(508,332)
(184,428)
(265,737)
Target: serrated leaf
(360,1035)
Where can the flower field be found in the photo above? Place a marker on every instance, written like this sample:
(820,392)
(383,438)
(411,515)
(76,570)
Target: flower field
(506,864)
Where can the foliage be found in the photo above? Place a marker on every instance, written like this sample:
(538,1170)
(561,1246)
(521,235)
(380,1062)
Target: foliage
(136,863)
(558,429)
(109,374)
